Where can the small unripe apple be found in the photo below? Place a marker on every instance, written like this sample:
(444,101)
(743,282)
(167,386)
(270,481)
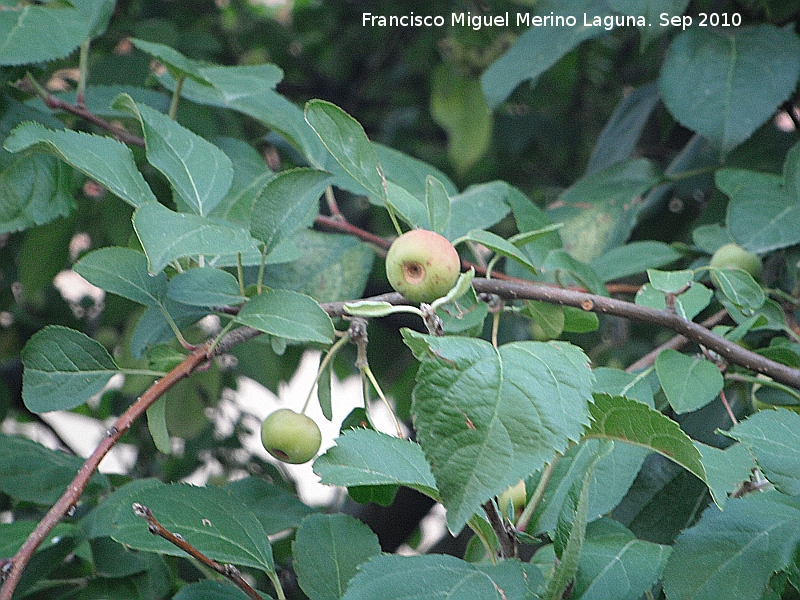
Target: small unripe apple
(514,495)
(733,256)
(290,437)
(422,265)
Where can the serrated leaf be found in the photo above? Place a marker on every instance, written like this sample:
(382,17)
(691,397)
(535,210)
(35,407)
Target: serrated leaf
(730,62)
(63,369)
(33,473)
(614,564)
(487,418)
(437,576)
(35,191)
(167,235)
(104,159)
(773,436)
(286,204)
(199,172)
(725,469)
(670,282)
(688,382)
(367,457)
(209,518)
(438,203)
(733,553)
(288,315)
(176,63)
(626,420)
(345,139)
(205,287)
(538,49)
(739,287)
(499,245)
(123,271)
(327,551)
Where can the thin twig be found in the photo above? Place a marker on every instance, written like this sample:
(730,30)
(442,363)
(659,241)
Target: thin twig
(228,571)
(507,539)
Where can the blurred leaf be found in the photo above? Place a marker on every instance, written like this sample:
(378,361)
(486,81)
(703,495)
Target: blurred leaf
(565,264)
(498,245)
(478,207)
(731,62)
(275,508)
(157,425)
(63,369)
(123,271)
(289,315)
(549,317)
(208,589)
(540,48)
(35,191)
(475,408)
(327,551)
(438,204)
(199,172)
(410,173)
(633,258)
(440,576)
(457,105)
(366,457)
(33,473)
(167,235)
(14,534)
(104,159)
(175,62)
(599,211)
(773,436)
(286,204)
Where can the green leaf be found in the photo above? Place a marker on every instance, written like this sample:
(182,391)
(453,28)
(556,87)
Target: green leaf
(199,172)
(57,30)
(546,316)
(14,534)
(566,265)
(688,382)
(327,550)
(739,287)
(289,315)
(288,202)
(730,63)
(274,507)
(208,589)
(167,235)
(205,287)
(571,529)
(104,159)
(633,258)
(410,173)
(487,418)
(438,203)
(123,271)
(670,282)
(35,191)
(37,474)
(209,518)
(614,564)
(616,382)
(175,62)
(478,207)
(367,457)
(773,436)
(499,245)
(157,425)
(345,139)
(726,470)
(457,104)
(440,576)
(733,553)
(63,369)
(540,48)
(626,420)
(599,211)
(688,304)
(407,207)
(762,211)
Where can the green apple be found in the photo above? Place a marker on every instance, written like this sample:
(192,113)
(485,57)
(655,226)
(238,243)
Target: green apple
(733,256)
(514,495)
(290,437)
(422,265)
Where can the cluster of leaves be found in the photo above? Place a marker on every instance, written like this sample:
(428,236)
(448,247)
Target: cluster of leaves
(655,480)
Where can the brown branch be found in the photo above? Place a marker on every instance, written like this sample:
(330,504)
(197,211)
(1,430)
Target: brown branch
(16,565)
(228,571)
(506,537)
(119,133)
